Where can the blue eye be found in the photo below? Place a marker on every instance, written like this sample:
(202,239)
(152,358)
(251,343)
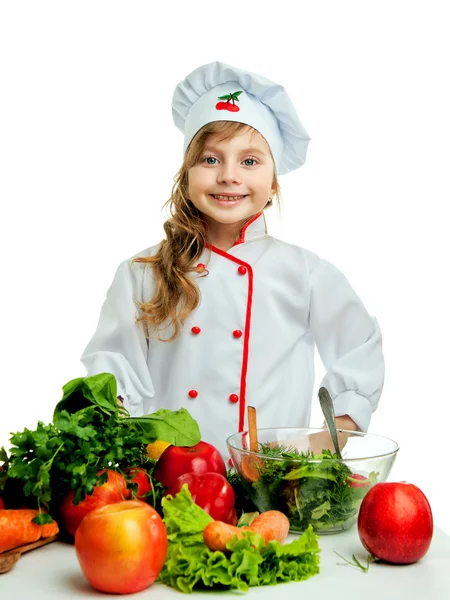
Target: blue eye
(208,158)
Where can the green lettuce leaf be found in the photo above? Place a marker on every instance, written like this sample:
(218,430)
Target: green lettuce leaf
(184,520)
(250,562)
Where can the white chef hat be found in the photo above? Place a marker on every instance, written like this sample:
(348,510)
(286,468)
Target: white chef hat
(220,92)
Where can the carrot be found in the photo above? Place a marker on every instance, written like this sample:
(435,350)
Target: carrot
(17,528)
(272,525)
(251,467)
(217,534)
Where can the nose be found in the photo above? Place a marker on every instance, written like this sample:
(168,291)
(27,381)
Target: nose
(229,173)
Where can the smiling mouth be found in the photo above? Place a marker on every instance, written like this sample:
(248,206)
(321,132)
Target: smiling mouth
(228,198)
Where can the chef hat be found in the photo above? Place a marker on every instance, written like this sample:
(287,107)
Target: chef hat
(220,92)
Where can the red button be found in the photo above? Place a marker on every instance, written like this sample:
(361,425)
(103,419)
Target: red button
(193,394)
(200,267)
(234,398)
(237,333)
(195,330)
(242,270)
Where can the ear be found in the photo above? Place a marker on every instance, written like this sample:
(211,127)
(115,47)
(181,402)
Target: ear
(273,188)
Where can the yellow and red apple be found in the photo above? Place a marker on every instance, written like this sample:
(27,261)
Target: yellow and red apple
(121,547)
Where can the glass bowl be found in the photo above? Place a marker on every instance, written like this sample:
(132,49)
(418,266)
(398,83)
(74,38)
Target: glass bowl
(316,489)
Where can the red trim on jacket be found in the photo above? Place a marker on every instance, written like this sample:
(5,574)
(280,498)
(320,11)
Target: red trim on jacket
(241,240)
(248,316)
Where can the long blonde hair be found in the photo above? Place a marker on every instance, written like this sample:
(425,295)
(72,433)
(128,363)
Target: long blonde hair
(176,293)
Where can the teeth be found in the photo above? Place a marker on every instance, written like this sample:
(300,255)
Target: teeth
(227,197)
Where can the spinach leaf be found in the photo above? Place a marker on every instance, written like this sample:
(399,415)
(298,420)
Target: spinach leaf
(99,390)
(176,427)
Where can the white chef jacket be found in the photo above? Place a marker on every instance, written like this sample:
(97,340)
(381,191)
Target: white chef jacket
(264,305)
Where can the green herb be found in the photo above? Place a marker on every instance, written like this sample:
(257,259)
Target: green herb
(191,565)
(89,433)
(355,562)
(317,493)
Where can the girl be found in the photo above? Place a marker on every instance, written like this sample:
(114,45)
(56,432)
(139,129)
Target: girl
(220,315)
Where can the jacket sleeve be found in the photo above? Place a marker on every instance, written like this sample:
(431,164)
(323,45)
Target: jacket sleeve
(119,345)
(349,343)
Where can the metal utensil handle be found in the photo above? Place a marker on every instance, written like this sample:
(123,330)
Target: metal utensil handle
(328,410)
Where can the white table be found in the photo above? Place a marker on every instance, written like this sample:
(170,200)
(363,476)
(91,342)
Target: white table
(52,573)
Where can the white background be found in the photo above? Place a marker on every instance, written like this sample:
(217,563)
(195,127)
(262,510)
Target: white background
(88,153)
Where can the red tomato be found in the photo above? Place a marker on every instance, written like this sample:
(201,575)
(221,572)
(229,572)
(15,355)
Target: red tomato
(113,490)
(198,459)
(395,522)
(210,491)
(141,478)
(121,547)
(361,480)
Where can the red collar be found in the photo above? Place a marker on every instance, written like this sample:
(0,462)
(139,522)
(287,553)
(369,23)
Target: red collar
(253,229)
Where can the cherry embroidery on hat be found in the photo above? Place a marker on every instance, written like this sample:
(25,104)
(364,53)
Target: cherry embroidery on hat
(226,105)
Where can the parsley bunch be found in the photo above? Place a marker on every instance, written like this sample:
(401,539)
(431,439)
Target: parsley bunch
(89,433)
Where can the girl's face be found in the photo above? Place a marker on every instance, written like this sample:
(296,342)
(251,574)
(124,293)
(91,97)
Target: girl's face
(233,179)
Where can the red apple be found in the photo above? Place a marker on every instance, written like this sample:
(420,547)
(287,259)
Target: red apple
(113,490)
(210,491)
(395,523)
(232,517)
(198,459)
(121,547)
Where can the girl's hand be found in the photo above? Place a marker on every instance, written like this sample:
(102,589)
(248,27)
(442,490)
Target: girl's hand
(322,440)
